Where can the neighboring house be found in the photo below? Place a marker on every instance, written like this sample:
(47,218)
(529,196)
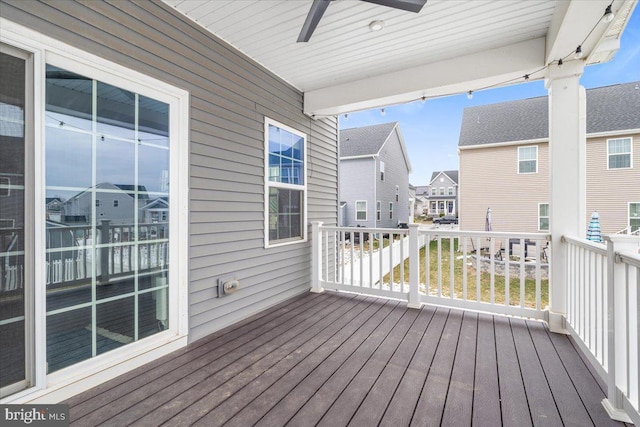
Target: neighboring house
(194,133)
(422,200)
(373,176)
(442,194)
(506,144)
(415,205)
(113,202)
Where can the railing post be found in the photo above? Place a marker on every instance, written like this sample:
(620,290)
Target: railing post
(615,330)
(414,267)
(316,256)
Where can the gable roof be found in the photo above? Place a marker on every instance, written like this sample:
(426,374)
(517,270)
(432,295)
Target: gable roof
(366,140)
(452,175)
(609,108)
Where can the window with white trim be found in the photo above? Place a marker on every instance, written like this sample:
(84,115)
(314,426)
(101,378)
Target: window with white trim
(528,159)
(381,170)
(378,210)
(390,210)
(450,191)
(397,193)
(543,216)
(442,191)
(286,188)
(361,210)
(434,191)
(634,216)
(619,153)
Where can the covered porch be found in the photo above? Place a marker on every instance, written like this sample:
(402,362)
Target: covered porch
(390,352)
(348,359)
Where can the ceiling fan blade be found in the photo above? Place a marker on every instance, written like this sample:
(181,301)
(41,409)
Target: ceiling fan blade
(408,5)
(313,18)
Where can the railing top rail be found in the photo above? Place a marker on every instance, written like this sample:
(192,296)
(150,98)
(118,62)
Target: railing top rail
(629,258)
(487,234)
(598,248)
(365,229)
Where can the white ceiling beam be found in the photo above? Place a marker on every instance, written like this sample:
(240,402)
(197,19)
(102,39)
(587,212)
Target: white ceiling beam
(573,21)
(456,75)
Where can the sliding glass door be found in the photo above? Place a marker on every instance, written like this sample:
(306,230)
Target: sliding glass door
(16,297)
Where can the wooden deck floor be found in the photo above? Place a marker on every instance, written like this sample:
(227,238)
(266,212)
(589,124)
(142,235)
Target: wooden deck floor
(337,359)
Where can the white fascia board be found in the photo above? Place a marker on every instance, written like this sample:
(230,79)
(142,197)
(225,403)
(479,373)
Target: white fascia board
(504,144)
(455,75)
(622,132)
(364,156)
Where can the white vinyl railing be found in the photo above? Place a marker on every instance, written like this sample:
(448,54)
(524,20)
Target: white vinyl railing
(495,272)
(602,316)
(587,297)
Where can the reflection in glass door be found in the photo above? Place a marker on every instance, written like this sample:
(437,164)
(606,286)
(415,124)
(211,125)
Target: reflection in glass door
(15,296)
(107,223)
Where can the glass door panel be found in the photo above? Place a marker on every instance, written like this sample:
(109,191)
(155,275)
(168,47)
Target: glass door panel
(107,201)
(14,321)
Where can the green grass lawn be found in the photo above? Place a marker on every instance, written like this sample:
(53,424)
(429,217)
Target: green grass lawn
(485,279)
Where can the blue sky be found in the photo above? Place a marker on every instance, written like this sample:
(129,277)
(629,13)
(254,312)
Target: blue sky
(431,130)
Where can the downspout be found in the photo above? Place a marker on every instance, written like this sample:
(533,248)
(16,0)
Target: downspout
(375,192)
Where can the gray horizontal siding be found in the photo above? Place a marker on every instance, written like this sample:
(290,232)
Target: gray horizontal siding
(230,95)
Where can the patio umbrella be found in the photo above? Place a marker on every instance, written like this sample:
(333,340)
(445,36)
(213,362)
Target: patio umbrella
(593,231)
(487,221)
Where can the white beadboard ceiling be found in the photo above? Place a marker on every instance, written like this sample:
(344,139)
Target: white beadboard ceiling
(451,45)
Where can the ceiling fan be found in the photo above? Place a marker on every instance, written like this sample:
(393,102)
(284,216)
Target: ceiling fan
(319,6)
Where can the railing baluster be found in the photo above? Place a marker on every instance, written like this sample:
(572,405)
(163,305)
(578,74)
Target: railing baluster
(464,267)
(523,253)
(492,263)
(439,266)
(402,242)
(478,268)
(427,266)
(507,272)
(538,272)
(451,268)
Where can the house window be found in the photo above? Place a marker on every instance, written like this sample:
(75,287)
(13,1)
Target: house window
(397,193)
(543,216)
(619,153)
(381,171)
(434,191)
(97,203)
(285,184)
(390,210)
(528,159)
(115,203)
(378,210)
(442,191)
(434,207)
(634,216)
(361,210)
(450,191)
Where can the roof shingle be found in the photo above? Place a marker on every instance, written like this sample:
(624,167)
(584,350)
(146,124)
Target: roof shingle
(609,108)
(364,141)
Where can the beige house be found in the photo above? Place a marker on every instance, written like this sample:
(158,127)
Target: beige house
(507,145)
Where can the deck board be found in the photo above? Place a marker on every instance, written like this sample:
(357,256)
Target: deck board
(340,359)
(514,404)
(541,402)
(486,396)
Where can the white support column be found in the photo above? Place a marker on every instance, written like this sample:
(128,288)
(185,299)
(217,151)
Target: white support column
(316,256)
(567,177)
(414,267)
